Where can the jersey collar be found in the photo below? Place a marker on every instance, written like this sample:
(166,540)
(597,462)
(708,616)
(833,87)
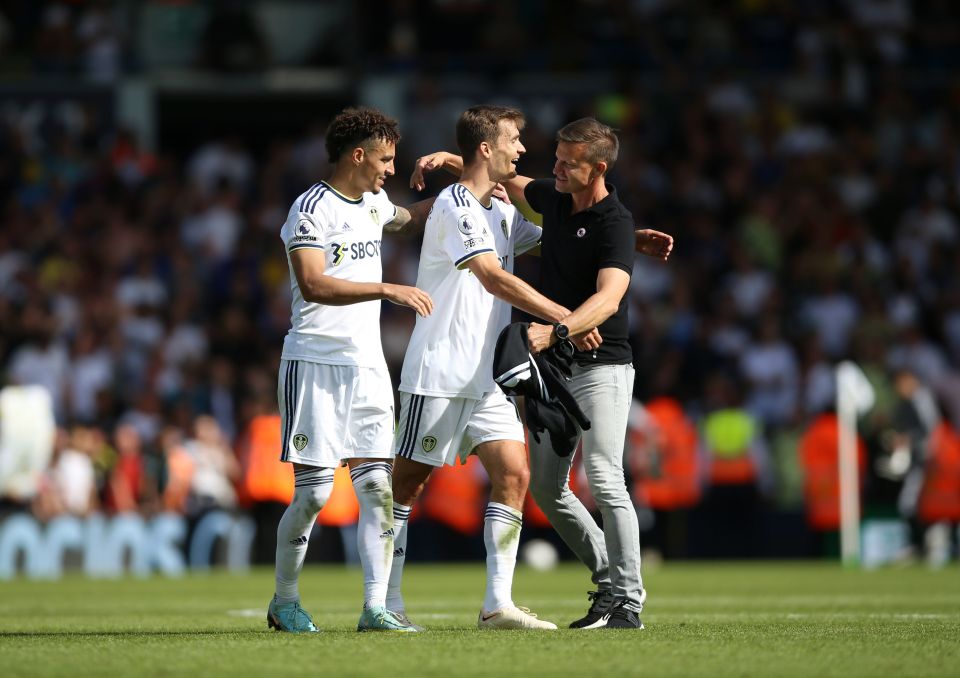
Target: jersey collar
(342,196)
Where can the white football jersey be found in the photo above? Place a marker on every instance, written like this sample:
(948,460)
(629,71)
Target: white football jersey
(451,351)
(349,233)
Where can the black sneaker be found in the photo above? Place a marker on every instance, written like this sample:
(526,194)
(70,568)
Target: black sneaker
(623,618)
(599,612)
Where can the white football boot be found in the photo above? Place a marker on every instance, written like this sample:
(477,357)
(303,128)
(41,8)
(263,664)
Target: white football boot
(513,618)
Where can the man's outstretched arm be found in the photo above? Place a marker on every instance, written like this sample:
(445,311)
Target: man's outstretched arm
(654,243)
(410,220)
(454,165)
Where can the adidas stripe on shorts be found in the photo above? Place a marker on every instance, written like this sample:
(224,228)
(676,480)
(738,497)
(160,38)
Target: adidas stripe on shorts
(436,431)
(329,413)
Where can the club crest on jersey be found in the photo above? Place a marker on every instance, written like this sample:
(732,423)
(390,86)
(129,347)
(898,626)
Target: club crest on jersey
(503,227)
(300,441)
(339,252)
(581,232)
(466,226)
(375,215)
(428,443)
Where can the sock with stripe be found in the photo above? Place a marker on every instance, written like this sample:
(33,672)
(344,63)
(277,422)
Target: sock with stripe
(312,487)
(375,532)
(501,536)
(401,514)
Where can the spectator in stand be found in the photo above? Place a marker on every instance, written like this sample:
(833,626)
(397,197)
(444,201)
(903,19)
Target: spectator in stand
(215,468)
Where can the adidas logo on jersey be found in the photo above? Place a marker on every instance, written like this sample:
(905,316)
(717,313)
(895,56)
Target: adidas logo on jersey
(387,535)
(399,553)
(299,541)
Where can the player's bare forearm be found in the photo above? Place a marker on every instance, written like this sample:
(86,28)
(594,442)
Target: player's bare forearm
(410,220)
(332,291)
(513,290)
(309,269)
(520,295)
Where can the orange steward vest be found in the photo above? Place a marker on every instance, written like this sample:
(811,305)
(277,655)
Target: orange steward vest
(665,469)
(940,496)
(819,457)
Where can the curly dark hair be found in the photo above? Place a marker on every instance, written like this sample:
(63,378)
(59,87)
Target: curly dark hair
(355,127)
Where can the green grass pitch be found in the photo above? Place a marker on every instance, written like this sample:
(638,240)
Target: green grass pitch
(702,619)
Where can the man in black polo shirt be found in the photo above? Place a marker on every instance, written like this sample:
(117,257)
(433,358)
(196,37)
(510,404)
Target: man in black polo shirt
(586,261)
(588,245)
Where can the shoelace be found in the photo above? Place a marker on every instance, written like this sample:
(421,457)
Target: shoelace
(389,615)
(526,610)
(300,615)
(596,600)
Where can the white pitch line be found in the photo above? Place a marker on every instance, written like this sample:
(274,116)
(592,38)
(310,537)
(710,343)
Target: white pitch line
(246,613)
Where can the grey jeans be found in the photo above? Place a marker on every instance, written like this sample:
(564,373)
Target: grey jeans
(604,392)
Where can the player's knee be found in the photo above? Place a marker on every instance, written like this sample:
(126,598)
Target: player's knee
(521,478)
(409,479)
(376,492)
(312,499)
(513,482)
(371,483)
(406,490)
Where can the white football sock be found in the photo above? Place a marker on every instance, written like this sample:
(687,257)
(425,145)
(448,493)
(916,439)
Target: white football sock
(501,536)
(401,514)
(312,487)
(371,482)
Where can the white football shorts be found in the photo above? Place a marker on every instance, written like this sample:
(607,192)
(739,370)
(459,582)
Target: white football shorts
(330,413)
(436,431)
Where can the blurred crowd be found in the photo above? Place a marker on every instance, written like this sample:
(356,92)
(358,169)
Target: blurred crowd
(805,156)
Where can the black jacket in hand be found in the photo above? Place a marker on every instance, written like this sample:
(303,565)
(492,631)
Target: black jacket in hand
(542,379)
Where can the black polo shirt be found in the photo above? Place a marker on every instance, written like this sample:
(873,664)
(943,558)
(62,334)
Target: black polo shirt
(574,249)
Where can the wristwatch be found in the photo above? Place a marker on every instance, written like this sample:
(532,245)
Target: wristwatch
(562,331)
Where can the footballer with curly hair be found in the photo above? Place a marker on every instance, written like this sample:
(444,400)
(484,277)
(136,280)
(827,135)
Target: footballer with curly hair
(335,394)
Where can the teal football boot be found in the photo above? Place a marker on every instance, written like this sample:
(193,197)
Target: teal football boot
(404,619)
(381,619)
(289,617)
